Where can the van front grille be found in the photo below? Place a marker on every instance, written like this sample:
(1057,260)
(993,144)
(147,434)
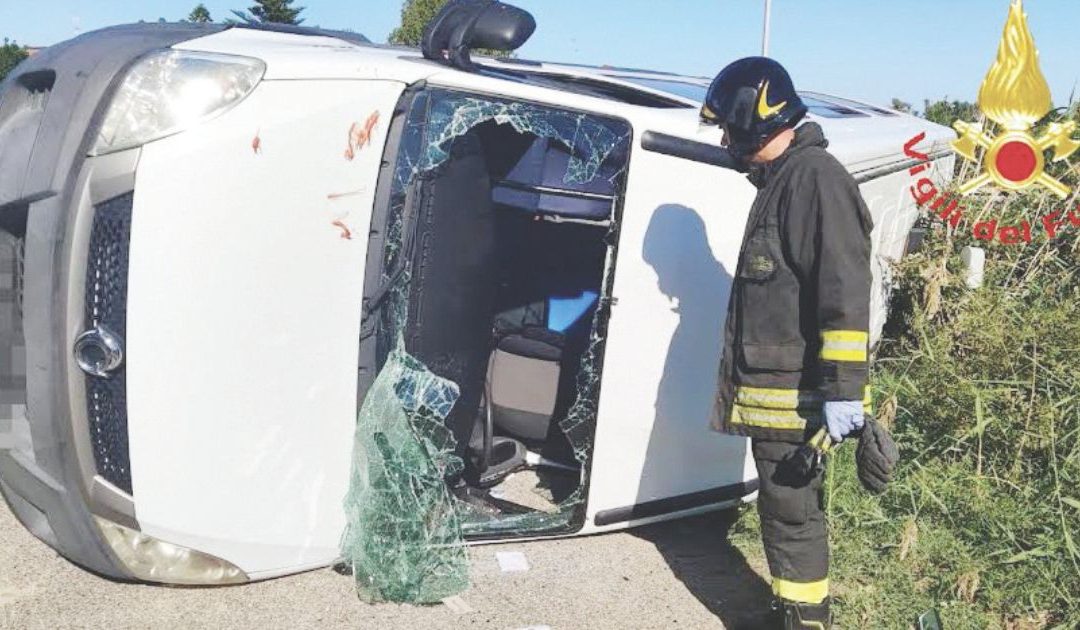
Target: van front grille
(106,307)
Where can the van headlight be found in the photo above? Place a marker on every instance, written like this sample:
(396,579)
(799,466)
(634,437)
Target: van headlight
(152,560)
(169,91)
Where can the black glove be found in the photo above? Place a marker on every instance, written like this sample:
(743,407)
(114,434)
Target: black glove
(876,457)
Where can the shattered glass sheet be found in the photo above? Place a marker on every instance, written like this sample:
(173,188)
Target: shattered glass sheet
(404,538)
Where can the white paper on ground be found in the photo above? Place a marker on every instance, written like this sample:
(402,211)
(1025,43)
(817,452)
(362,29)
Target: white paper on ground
(512,561)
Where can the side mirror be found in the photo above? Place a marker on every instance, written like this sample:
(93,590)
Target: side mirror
(462,25)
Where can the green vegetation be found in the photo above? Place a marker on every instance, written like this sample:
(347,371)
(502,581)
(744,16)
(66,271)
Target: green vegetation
(982,391)
(11,54)
(901,106)
(200,15)
(414,17)
(945,112)
(272,11)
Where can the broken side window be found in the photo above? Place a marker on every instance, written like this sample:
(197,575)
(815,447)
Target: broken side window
(405,525)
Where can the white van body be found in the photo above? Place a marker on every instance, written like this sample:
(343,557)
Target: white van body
(246,278)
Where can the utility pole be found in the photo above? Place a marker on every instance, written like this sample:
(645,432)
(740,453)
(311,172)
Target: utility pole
(765,31)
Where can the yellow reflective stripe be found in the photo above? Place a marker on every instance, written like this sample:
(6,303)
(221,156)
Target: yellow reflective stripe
(853,356)
(844,345)
(770,418)
(776,408)
(858,336)
(789,399)
(802,592)
(777,398)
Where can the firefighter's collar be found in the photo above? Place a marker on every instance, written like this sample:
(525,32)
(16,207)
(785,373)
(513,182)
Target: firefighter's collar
(806,135)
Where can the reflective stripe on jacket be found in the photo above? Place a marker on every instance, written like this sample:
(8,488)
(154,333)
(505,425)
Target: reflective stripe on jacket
(798,318)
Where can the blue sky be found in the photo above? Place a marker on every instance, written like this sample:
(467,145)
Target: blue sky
(869,49)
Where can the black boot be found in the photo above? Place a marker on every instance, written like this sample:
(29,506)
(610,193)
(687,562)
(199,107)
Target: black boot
(802,616)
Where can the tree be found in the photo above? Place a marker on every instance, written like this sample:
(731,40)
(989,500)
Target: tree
(11,54)
(901,106)
(201,15)
(272,11)
(414,17)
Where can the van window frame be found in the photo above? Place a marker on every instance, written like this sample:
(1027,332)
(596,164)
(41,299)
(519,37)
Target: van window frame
(369,356)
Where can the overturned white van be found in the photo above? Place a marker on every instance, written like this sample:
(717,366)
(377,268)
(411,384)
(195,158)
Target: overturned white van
(223,245)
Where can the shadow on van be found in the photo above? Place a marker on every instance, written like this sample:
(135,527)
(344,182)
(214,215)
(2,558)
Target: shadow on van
(684,455)
(676,246)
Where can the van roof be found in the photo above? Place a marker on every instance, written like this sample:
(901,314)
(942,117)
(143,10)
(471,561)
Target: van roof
(862,134)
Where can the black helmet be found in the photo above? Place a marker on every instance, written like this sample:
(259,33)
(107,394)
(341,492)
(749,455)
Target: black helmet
(751,100)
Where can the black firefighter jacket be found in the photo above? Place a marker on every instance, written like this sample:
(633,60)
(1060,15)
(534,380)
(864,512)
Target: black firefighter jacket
(798,318)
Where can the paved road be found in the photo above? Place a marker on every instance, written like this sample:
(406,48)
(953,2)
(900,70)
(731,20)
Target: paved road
(674,575)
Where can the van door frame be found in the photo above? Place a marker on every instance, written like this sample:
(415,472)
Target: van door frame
(368,368)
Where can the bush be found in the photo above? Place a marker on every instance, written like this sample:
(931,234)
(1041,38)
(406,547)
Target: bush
(982,389)
(945,112)
(11,54)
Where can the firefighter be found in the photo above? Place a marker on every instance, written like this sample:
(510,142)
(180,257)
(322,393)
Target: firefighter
(796,337)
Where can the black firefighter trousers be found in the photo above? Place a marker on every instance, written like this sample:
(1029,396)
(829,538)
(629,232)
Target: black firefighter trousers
(793,528)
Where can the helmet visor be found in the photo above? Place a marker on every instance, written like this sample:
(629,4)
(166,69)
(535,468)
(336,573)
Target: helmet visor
(739,143)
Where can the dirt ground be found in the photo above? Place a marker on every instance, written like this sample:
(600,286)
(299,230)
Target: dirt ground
(673,575)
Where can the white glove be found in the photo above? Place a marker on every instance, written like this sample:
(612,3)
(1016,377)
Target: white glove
(842,417)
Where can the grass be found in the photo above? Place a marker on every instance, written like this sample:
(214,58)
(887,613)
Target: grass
(981,389)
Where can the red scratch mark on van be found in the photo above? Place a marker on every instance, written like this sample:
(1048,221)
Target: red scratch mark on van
(342,195)
(360,135)
(256,143)
(346,233)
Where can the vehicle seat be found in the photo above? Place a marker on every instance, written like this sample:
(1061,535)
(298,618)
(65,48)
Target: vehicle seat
(523,381)
(452,292)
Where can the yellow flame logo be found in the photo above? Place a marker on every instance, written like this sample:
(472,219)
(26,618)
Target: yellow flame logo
(1015,95)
